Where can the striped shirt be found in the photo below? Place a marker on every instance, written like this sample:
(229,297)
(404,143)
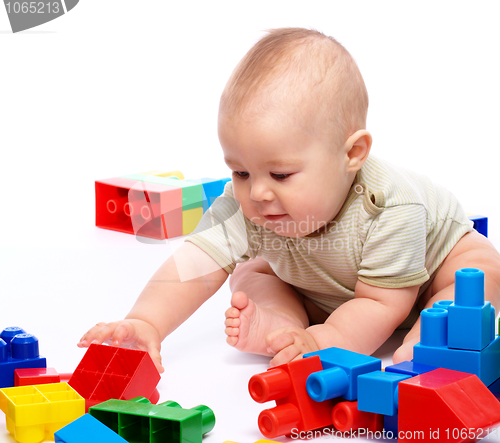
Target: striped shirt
(393,231)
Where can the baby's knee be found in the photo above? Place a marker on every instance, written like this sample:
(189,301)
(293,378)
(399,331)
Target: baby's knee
(249,269)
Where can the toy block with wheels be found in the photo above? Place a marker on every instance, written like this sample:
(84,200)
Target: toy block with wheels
(460,335)
(338,378)
(154,204)
(286,384)
(138,421)
(446,405)
(107,372)
(87,429)
(34,413)
(17,350)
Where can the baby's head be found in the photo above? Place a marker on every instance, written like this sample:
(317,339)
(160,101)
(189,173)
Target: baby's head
(297,95)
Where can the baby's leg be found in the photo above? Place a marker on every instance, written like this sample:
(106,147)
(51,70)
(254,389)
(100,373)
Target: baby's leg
(261,303)
(472,251)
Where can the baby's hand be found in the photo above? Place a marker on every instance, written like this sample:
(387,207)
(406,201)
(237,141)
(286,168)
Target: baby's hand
(289,343)
(130,333)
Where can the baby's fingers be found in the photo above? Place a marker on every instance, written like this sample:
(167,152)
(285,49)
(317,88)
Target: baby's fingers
(90,335)
(154,352)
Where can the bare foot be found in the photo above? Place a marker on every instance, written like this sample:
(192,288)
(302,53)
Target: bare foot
(247,324)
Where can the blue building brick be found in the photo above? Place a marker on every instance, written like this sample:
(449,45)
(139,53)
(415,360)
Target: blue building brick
(87,429)
(377,391)
(17,350)
(341,369)
(410,368)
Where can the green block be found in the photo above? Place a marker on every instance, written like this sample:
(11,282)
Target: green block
(139,421)
(192,192)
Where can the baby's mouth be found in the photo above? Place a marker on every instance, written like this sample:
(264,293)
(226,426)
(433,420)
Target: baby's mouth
(274,217)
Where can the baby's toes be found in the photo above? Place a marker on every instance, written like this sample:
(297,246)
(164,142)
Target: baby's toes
(232,332)
(232,313)
(233,322)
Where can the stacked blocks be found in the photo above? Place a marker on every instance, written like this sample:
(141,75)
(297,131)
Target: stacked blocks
(155,205)
(107,372)
(139,421)
(460,335)
(87,429)
(339,378)
(446,405)
(34,413)
(286,384)
(17,350)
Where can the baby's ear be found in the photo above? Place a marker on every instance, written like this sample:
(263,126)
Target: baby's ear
(358,147)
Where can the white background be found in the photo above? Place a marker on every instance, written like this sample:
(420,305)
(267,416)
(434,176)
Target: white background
(117,87)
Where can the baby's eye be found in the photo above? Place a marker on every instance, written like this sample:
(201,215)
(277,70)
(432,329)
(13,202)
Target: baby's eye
(240,174)
(280,177)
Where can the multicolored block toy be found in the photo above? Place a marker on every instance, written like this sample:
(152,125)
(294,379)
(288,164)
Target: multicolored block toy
(154,204)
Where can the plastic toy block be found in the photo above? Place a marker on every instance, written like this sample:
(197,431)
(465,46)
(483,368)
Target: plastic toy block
(446,405)
(494,388)
(87,429)
(17,350)
(378,392)
(391,426)
(212,188)
(433,349)
(469,318)
(192,192)
(107,372)
(409,368)
(190,220)
(34,413)
(340,373)
(138,207)
(38,376)
(346,417)
(480,224)
(294,408)
(139,421)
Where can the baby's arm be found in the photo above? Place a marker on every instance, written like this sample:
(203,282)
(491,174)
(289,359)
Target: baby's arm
(177,289)
(360,325)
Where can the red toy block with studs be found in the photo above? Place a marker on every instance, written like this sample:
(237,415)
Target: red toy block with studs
(286,384)
(108,372)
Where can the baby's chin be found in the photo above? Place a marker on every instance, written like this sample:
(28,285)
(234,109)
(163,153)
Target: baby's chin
(288,229)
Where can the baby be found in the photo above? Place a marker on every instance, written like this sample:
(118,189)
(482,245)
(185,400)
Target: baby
(327,246)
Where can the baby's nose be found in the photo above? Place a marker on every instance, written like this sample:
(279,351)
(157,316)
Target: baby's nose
(261,192)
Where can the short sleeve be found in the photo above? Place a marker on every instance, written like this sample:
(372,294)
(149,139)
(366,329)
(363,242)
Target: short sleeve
(393,253)
(225,234)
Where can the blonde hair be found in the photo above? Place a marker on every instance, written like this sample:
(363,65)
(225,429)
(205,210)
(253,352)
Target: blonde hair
(294,63)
